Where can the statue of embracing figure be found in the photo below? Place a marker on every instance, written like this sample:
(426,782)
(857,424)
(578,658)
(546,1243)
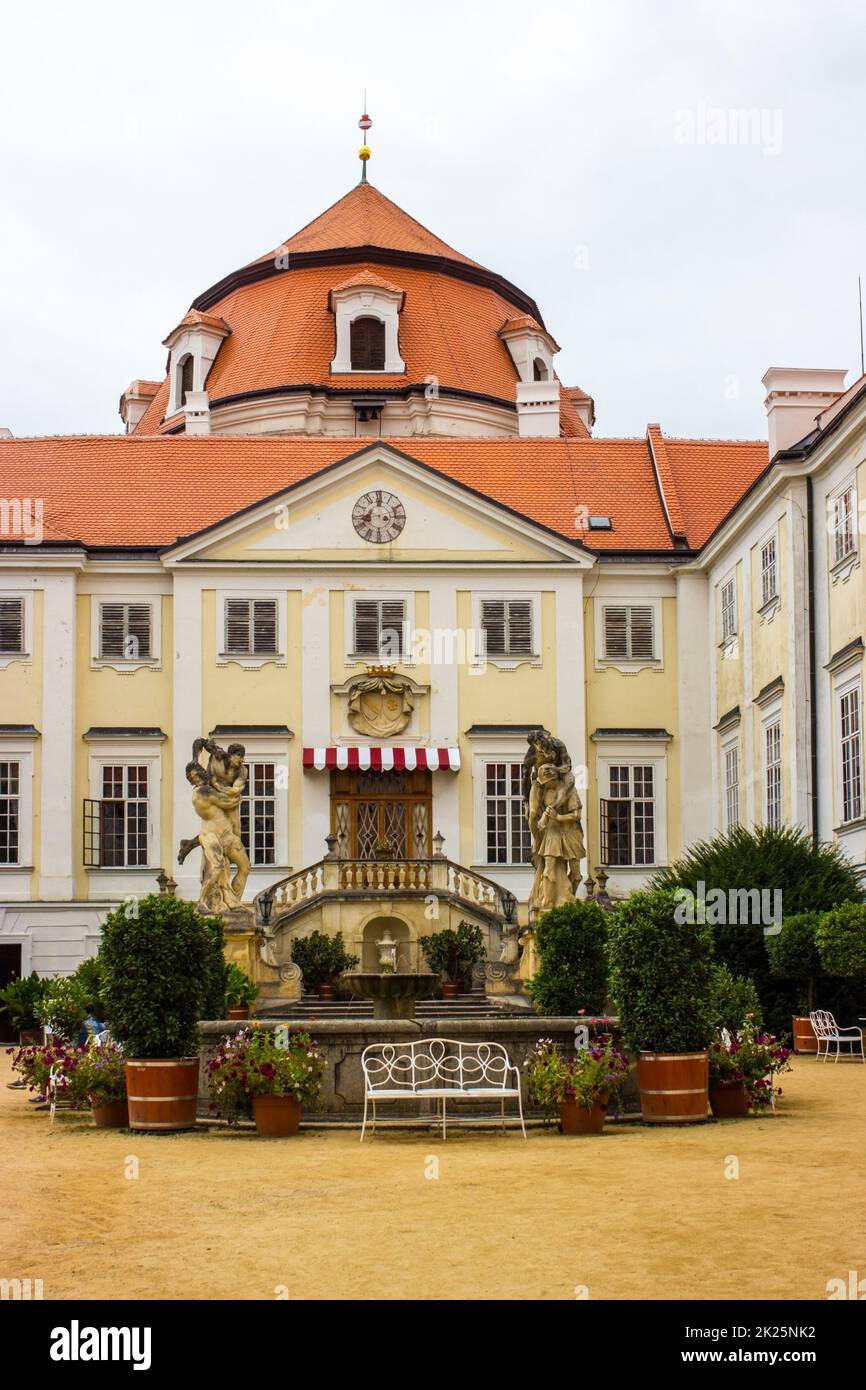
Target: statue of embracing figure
(553,812)
(217,790)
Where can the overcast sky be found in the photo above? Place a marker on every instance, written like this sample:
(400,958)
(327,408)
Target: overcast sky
(574,147)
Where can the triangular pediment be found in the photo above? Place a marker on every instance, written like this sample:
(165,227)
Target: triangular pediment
(378,506)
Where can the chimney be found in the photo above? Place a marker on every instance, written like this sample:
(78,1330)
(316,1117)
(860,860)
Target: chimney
(795,397)
(196,412)
(538,409)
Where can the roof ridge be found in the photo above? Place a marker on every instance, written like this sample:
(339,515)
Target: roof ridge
(667,483)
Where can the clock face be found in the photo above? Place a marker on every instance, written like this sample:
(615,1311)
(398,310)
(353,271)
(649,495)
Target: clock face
(378,517)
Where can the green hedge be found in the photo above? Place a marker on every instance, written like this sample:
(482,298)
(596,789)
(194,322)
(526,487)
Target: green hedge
(572,970)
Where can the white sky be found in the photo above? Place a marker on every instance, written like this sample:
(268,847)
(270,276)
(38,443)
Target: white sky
(145,151)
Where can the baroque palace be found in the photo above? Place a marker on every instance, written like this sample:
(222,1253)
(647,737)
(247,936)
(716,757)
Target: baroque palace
(361,528)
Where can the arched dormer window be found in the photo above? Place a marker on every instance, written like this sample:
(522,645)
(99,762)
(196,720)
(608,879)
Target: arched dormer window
(367,338)
(185,368)
(539,370)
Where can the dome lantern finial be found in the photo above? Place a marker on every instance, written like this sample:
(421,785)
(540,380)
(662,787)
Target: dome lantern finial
(364,152)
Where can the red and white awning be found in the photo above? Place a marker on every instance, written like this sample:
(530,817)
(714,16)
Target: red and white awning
(383,759)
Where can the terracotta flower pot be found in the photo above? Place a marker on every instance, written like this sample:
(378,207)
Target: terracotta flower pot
(574,1119)
(729,1100)
(239,1013)
(326,990)
(276,1117)
(450,989)
(805,1039)
(673,1087)
(162,1092)
(114,1114)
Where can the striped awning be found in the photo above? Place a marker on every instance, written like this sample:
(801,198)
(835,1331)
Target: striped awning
(383,759)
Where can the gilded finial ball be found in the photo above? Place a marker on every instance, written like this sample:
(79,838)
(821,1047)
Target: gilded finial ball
(364,152)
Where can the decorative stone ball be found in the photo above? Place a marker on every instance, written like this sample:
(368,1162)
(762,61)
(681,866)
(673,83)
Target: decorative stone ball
(364,152)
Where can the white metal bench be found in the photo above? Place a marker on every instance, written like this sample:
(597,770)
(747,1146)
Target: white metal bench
(827,1031)
(439,1069)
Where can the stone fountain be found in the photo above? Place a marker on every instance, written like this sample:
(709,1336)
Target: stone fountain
(393,992)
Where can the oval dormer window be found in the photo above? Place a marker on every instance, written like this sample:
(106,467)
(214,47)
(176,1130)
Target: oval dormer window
(368,345)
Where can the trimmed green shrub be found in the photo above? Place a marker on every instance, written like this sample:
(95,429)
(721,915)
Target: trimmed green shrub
(63,1007)
(661,975)
(163,969)
(454,954)
(794,955)
(841,938)
(321,958)
(89,977)
(572,972)
(734,1000)
(21,999)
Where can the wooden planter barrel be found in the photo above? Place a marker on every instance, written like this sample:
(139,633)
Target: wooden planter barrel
(162,1093)
(804,1035)
(729,1100)
(574,1119)
(113,1115)
(276,1117)
(673,1087)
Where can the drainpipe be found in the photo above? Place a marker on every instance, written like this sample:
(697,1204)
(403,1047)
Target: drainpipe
(813,708)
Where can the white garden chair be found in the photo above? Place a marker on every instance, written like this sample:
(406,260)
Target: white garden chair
(828,1033)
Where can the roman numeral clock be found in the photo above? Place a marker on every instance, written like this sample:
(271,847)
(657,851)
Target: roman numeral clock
(379,517)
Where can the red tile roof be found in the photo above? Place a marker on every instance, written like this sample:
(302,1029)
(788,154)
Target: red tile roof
(126,490)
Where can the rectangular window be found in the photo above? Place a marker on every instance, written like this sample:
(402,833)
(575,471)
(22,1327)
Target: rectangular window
(10,811)
(124,631)
(773,774)
(116,825)
(844,510)
(11,626)
(729,609)
(259,814)
(507,834)
(507,625)
(732,787)
(852,783)
(629,632)
(628,816)
(379,628)
(769,576)
(251,627)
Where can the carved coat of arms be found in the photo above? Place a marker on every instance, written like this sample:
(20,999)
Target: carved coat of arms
(380,703)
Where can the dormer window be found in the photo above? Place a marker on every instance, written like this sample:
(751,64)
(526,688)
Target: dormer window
(539,370)
(186,378)
(367,313)
(192,347)
(367,337)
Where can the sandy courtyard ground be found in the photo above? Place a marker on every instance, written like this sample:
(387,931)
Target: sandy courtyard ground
(636,1213)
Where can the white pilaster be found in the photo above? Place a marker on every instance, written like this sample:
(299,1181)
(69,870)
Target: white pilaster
(571,687)
(315,801)
(56,878)
(445,711)
(186,722)
(696,739)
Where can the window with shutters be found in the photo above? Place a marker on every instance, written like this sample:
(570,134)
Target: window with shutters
(259,813)
(507,625)
(628,816)
(379,628)
(12,627)
(251,627)
(629,632)
(125,631)
(367,345)
(10,811)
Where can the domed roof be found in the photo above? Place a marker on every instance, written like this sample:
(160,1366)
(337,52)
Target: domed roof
(279,313)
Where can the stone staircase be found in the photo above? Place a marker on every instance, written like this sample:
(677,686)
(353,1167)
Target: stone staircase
(472,1005)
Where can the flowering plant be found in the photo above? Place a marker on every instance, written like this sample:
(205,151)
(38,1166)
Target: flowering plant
(98,1075)
(259,1062)
(752,1058)
(34,1064)
(591,1077)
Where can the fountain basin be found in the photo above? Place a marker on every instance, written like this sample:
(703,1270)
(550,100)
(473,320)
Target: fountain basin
(393,994)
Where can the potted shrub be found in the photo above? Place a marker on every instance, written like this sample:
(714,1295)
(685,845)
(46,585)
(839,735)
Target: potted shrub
(322,959)
(63,1008)
(20,1000)
(735,999)
(34,1063)
(163,970)
(572,973)
(99,1080)
(742,1068)
(794,955)
(454,955)
(661,979)
(241,993)
(578,1088)
(271,1072)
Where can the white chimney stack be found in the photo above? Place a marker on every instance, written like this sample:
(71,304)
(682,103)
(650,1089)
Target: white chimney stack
(196,412)
(795,397)
(538,409)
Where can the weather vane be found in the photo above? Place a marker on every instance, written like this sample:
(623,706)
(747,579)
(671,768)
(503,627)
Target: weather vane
(364,152)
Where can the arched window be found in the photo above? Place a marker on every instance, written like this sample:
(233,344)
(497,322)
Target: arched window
(539,370)
(184,379)
(367,345)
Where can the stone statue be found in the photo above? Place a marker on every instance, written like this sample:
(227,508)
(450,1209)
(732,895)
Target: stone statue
(553,812)
(216,797)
